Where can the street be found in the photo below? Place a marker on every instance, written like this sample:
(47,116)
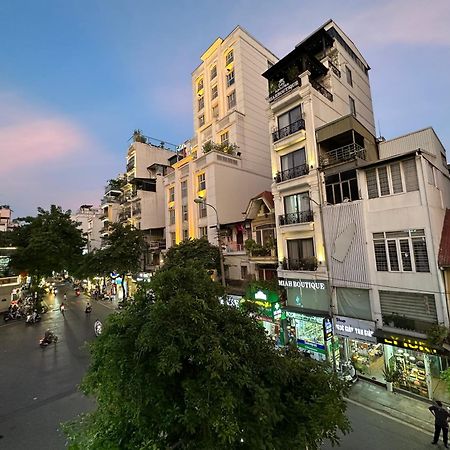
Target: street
(375,431)
(39,385)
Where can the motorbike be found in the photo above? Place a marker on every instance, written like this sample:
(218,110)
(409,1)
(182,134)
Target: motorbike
(88,309)
(11,315)
(48,339)
(347,372)
(98,328)
(33,318)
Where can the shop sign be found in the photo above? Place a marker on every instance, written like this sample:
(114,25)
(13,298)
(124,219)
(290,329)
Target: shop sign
(304,284)
(360,330)
(327,329)
(414,344)
(312,338)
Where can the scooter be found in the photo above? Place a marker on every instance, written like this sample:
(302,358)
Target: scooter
(48,339)
(347,372)
(88,309)
(33,318)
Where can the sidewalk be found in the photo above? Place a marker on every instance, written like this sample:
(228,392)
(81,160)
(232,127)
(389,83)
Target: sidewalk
(395,405)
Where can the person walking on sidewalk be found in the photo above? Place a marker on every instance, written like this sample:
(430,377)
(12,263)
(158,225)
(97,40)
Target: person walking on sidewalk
(441,416)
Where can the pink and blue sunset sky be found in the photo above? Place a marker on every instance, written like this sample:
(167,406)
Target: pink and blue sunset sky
(77,77)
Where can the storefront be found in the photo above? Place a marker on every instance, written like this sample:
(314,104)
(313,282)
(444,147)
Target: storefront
(358,345)
(268,311)
(420,365)
(312,334)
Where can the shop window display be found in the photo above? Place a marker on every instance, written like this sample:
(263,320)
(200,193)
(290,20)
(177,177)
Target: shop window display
(367,359)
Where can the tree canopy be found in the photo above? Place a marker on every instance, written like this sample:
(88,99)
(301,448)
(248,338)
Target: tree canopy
(184,371)
(48,242)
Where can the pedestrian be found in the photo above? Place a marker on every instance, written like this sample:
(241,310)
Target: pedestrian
(441,416)
(65,296)
(62,308)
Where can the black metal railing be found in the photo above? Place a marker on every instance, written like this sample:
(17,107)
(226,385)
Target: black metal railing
(334,69)
(290,129)
(318,87)
(293,172)
(309,264)
(296,217)
(346,153)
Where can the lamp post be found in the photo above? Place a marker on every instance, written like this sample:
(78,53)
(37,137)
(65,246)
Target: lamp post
(202,201)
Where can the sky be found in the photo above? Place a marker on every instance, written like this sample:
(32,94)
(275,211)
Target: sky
(78,76)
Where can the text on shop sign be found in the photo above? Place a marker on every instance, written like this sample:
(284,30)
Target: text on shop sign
(350,329)
(411,344)
(359,329)
(302,284)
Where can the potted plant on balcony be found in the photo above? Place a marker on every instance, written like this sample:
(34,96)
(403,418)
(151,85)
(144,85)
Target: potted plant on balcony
(391,375)
(139,137)
(208,146)
(438,335)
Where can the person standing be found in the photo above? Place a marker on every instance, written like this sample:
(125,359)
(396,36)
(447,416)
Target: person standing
(441,416)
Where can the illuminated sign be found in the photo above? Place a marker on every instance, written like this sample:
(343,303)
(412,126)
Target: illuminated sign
(409,343)
(361,330)
(302,284)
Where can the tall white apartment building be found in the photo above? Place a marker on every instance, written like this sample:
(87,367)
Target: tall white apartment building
(90,224)
(227,162)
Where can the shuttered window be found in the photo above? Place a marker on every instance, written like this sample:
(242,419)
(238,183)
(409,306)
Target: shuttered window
(401,251)
(418,306)
(393,178)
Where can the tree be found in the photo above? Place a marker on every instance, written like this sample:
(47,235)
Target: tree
(50,242)
(193,251)
(124,248)
(184,371)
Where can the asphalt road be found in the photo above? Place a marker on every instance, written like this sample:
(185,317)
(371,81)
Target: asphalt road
(375,431)
(38,387)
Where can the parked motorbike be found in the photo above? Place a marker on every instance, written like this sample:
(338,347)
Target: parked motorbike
(33,318)
(48,338)
(12,315)
(347,372)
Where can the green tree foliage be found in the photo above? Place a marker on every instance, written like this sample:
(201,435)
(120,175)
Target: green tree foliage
(184,371)
(197,252)
(48,242)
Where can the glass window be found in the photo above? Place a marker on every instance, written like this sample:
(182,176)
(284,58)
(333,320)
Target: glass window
(185,235)
(200,85)
(296,203)
(213,72)
(201,103)
(290,117)
(224,138)
(202,210)
(244,272)
(349,76)
(214,92)
(299,249)
(352,104)
(202,231)
(230,78)
(215,111)
(184,212)
(171,217)
(342,187)
(173,239)
(229,58)
(293,159)
(201,120)
(231,100)
(401,251)
(172,194)
(201,182)
(184,189)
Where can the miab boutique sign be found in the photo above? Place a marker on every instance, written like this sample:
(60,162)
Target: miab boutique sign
(307,294)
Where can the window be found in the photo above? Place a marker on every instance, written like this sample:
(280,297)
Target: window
(201,103)
(201,120)
(201,182)
(215,111)
(394,178)
(202,232)
(184,189)
(184,212)
(173,239)
(202,210)
(199,85)
(430,174)
(185,235)
(300,249)
(229,58)
(401,251)
(213,72)
(172,194)
(244,272)
(224,138)
(295,159)
(342,187)
(230,78)
(171,217)
(231,100)
(214,92)
(265,235)
(296,209)
(290,117)
(349,76)
(352,104)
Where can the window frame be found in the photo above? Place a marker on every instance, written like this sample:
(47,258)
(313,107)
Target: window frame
(349,76)
(392,184)
(202,211)
(399,251)
(225,140)
(202,232)
(214,92)
(230,78)
(340,184)
(352,105)
(231,100)
(229,57)
(289,114)
(201,181)
(171,194)
(185,213)
(201,103)
(172,216)
(213,72)
(201,120)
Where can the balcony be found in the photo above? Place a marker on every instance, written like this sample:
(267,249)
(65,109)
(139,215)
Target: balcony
(293,172)
(233,247)
(348,152)
(319,88)
(296,217)
(308,264)
(287,131)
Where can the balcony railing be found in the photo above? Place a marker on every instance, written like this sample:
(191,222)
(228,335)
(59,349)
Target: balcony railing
(308,264)
(341,154)
(234,247)
(334,69)
(293,172)
(296,217)
(287,131)
(319,88)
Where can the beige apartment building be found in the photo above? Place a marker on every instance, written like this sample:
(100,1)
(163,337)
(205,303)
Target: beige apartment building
(227,162)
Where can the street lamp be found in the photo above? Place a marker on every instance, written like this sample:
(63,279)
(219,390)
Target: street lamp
(202,201)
